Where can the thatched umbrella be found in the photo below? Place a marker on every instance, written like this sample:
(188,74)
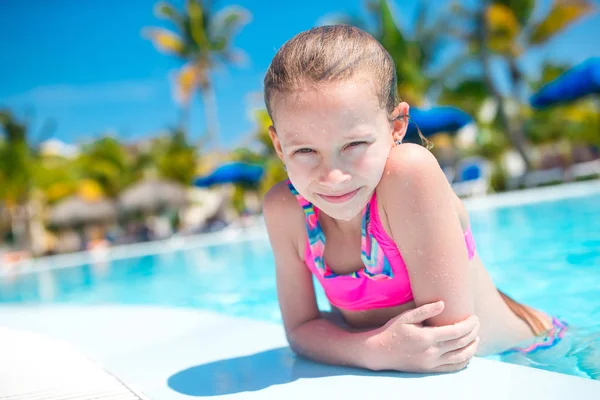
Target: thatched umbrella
(151,195)
(75,211)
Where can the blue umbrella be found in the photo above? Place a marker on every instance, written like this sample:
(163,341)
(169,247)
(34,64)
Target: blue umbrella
(438,119)
(577,82)
(235,172)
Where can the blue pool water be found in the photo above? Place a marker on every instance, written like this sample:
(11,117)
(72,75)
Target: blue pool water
(546,255)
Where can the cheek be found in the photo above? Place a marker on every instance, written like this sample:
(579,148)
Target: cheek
(373,160)
(300,177)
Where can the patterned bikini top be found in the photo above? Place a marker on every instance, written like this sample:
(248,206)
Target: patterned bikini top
(382,282)
(376,265)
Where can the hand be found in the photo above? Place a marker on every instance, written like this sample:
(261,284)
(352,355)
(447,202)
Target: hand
(404,344)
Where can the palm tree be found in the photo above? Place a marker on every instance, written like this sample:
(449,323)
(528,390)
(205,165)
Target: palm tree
(15,160)
(174,158)
(17,174)
(204,41)
(506,30)
(105,161)
(413,54)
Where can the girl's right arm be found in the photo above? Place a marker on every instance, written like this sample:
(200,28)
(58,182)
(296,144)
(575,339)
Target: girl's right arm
(403,344)
(308,334)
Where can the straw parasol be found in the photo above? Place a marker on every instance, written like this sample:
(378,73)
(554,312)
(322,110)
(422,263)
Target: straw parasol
(153,194)
(75,210)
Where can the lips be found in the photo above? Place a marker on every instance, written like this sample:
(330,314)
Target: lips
(342,198)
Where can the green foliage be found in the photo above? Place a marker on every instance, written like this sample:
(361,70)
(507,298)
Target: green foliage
(274,173)
(467,95)
(561,15)
(57,177)
(16,159)
(491,143)
(522,9)
(105,162)
(549,73)
(237,199)
(577,122)
(175,158)
(412,54)
(204,40)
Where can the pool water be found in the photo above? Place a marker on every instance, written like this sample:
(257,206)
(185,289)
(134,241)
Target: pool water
(546,255)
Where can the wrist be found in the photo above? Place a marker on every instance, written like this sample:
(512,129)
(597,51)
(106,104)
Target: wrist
(371,350)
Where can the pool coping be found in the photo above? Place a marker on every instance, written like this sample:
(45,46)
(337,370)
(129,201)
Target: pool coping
(170,353)
(258,230)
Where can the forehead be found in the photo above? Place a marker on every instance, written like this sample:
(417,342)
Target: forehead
(347,102)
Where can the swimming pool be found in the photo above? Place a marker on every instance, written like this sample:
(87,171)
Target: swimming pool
(544,254)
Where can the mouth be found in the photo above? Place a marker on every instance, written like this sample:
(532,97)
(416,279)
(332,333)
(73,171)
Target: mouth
(341,198)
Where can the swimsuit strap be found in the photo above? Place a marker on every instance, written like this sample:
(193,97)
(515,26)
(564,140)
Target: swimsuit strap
(376,264)
(316,237)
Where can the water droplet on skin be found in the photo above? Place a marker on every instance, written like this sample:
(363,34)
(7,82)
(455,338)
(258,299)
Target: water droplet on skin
(393,334)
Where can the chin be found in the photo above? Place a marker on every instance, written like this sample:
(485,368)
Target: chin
(342,212)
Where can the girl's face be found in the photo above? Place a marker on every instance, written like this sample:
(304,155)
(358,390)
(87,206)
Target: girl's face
(334,140)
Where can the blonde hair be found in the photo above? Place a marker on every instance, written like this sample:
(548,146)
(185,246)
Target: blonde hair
(331,54)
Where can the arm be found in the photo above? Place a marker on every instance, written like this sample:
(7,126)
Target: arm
(419,204)
(403,344)
(308,334)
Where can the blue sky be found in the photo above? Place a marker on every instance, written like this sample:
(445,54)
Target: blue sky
(85,64)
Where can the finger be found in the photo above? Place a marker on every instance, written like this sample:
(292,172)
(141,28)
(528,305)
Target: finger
(422,313)
(457,344)
(450,367)
(461,355)
(456,331)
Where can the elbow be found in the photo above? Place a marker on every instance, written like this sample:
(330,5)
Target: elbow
(294,344)
(296,336)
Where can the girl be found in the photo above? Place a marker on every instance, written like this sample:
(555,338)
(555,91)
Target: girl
(374,220)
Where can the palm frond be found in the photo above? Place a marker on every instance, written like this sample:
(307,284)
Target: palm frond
(561,15)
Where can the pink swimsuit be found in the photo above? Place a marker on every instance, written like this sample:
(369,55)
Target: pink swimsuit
(383,282)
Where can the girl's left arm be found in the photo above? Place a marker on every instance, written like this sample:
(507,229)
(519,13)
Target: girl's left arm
(419,204)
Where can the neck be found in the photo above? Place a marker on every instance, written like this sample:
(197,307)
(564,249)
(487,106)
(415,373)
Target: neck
(348,225)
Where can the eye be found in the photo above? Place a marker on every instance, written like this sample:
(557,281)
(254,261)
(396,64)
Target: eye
(354,144)
(303,151)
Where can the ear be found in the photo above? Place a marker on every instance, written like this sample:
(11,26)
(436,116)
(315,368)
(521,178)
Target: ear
(276,142)
(400,121)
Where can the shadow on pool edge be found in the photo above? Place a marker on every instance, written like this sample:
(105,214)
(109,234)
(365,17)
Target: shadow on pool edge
(259,371)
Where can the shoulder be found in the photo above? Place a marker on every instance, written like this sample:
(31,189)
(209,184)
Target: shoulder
(280,201)
(282,213)
(411,166)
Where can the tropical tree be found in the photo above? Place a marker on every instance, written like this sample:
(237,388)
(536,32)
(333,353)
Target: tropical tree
(259,150)
(576,122)
(414,52)
(55,176)
(505,30)
(175,158)
(264,153)
(106,162)
(203,40)
(17,162)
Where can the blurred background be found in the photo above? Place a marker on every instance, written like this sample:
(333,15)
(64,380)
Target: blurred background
(125,122)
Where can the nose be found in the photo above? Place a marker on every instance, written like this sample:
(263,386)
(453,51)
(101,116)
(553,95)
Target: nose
(333,176)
